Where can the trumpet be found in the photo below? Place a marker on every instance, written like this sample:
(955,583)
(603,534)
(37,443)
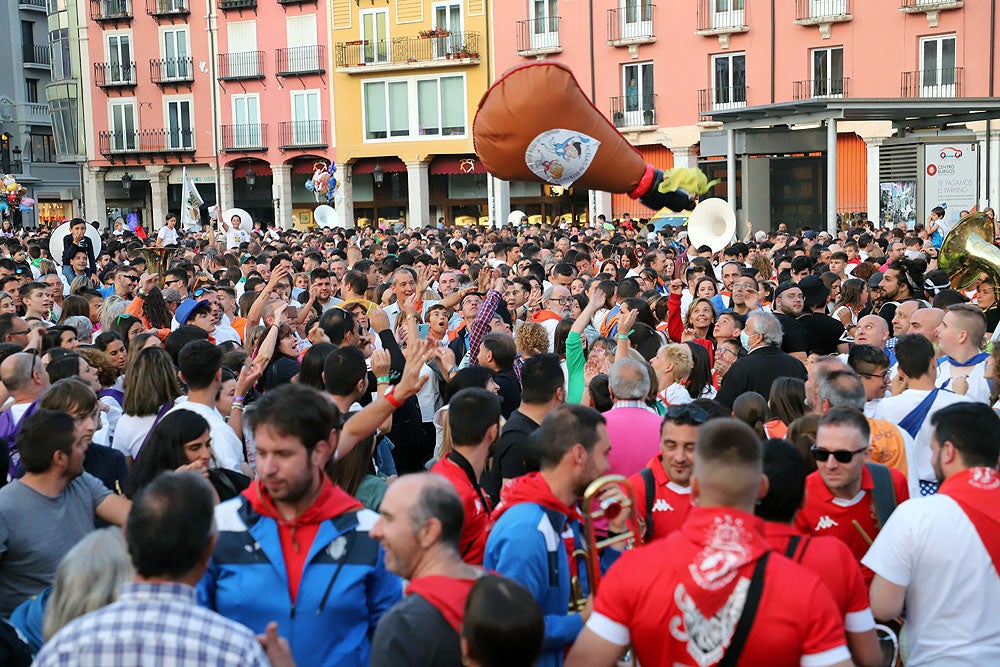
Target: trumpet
(606,508)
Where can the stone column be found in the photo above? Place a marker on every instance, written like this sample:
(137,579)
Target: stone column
(93,195)
(599,202)
(497,200)
(283,187)
(158,174)
(420,195)
(872,150)
(685,156)
(226,195)
(345,203)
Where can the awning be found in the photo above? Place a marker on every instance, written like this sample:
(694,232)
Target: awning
(457,164)
(259,168)
(388,164)
(308,165)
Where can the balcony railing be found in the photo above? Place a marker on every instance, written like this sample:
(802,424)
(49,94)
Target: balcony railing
(300,60)
(171,70)
(144,142)
(721,16)
(458,47)
(808,12)
(35,113)
(633,112)
(631,24)
(32,4)
(537,37)
(933,83)
(35,55)
(113,75)
(246,138)
(237,4)
(719,99)
(243,65)
(303,134)
(110,10)
(8,166)
(804,90)
(295,2)
(928,5)
(168,7)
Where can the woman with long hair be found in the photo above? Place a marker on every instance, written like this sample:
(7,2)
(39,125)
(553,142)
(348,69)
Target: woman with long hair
(311,372)
(355,473)
(699,384)
(832,282)
(609,267)
(284,364)
(112,345)
(700,319)
(183,440)
(60,336)
(786,403)
(706,288)
(151,387)
(751,409)
(853,298)
(112,397)
(127,326)
(74,305)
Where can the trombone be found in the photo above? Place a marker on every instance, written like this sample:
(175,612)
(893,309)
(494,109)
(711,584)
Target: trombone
(607,508)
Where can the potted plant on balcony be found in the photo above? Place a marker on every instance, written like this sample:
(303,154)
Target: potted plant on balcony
(619,118)
(647,116)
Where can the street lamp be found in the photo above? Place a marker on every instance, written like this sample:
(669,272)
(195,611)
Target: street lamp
(127,184)
(17,159)
(378,173)
(251,177)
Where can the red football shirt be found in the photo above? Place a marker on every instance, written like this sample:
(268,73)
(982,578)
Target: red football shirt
(475,504)
(671,502)
(825,515)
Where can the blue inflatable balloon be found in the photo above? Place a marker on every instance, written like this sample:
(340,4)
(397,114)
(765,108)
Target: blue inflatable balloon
(332,168)
(3,207)
(309,185)
(23,208)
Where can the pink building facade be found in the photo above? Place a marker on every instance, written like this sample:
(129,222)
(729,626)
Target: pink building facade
(834,110)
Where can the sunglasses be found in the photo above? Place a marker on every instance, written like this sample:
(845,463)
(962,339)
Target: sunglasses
(687,413)
(841,455)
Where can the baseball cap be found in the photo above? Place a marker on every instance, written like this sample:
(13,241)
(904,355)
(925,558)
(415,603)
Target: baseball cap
(187,307)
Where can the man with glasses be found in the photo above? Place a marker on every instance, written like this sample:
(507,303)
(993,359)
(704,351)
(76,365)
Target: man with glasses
(787,308)
(872,366)
(843,498)
(557,305)
(663,489)
(745,297)
(177,279)
(14,329)
(126,282)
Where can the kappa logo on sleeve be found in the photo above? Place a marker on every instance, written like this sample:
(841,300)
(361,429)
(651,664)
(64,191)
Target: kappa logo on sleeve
(825,522)
(662,505)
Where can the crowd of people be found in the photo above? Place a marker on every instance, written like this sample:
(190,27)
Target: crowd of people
(380,447)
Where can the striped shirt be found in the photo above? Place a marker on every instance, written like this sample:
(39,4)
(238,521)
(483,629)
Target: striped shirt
(153,624)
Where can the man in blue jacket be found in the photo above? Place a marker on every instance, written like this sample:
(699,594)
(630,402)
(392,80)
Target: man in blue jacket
(296,549)
(537,525)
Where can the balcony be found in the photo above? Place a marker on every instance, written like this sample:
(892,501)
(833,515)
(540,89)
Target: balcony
(933,83)
(34,113)
(35,56)
(448,50)
(239,5)
(146,142)
(932,8)
(244,65)
(166,8)
(817,88)
(296,2)
(111,11)
(720,99)
(300,60)
(721,18)
(635,113)
(8,166)
(823,13)
(303,134)
(114,75)
(167,71)
(32,4)
(538,37)
(244,138)
(631,25)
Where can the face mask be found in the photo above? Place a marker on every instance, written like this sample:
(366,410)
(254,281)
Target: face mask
(744,340)
(913,254)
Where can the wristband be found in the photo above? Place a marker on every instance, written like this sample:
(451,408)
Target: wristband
(452,370)
(393,401)
(624,336)
(383,379)
(237,406)
(140,294)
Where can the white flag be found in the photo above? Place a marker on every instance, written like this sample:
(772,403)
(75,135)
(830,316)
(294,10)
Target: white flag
(191,202)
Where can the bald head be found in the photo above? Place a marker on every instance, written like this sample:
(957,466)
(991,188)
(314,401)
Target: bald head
(925,322)
(901,320)
(23,372)
(872,330)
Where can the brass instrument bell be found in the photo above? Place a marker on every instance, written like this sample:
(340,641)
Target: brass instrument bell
(158,261)
(968,251)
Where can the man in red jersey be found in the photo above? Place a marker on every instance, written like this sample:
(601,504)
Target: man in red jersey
(713,590)
(841,496)
(663,490)
(828,557)
(474,421)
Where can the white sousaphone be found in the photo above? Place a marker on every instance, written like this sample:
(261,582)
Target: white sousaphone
(325,216)
(61,232)
(711,223)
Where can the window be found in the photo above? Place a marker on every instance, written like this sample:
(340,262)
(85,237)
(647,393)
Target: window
(828,72)
(246,121)
(123,134)
(180,133)
(120,68)
(637,84)
(938,73)
(448,15)
(308,126)
(728,14)
(243,59)
(176,54)
(31,91)
(729,81)
(62,63)
(544,24)
(64,103)
(440,104)
(43,148)
(636,18)
(303,56)
(375,35)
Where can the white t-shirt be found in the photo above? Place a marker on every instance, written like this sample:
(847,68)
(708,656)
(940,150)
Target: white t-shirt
(930,547)
(131,432)
(895,408)
(109,422)
(234,237)
(167,236)
(979,388)
(227,448)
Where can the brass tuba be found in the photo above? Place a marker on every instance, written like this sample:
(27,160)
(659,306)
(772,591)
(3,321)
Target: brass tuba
(968,251)
(604,509)
(158,261)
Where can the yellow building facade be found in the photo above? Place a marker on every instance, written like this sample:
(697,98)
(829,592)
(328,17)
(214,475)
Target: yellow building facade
(408,76)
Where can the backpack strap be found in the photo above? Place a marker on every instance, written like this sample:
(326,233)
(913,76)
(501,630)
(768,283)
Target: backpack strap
(793,544)
(650,483)
(884,493)
(742,631)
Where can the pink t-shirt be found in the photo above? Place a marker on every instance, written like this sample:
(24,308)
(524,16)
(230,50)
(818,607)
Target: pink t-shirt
(635,438)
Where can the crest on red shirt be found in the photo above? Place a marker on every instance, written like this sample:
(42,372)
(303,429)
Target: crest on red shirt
(708,638)
(986,479)
(727,549)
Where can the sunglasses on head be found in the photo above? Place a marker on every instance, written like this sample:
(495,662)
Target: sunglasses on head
(841,455)
(686,413)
